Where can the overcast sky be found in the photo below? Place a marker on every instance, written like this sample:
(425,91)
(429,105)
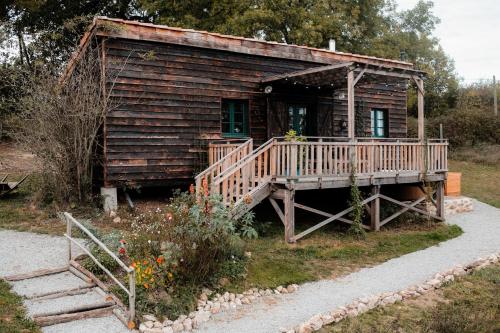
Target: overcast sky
(470,33)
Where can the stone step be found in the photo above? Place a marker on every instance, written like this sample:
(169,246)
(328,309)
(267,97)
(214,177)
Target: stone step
(108,324)
(67,304)
(48,284)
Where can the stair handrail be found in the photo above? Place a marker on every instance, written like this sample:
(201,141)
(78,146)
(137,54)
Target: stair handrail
(198,179)
(70,222)
(224,175)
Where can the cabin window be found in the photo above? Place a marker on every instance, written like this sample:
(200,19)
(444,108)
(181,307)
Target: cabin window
(234,118)
(379,123)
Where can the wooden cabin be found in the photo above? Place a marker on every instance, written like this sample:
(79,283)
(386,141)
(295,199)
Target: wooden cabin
(195,106)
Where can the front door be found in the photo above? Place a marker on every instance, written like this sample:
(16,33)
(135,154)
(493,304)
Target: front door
(297,118)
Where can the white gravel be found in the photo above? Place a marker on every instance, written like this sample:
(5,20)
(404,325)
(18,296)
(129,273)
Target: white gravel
(481,237)
(25,252)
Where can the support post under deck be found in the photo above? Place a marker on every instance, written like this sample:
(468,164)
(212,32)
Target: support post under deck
(375,209)
(440,199)
(288,201)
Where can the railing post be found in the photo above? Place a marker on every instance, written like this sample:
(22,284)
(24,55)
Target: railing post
(69,227)
(131,296)
(319,157)
(293,159)
(273,159)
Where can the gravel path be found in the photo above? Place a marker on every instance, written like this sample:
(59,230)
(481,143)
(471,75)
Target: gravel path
(25,252)
(481,237)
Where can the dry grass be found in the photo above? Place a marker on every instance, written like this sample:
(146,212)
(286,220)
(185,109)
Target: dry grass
(468,305)
(479,181)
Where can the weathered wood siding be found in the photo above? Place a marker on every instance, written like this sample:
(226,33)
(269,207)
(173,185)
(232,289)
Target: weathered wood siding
(168,105)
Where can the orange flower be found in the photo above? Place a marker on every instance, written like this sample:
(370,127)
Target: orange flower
(134,265)
(146,285)
(160,259)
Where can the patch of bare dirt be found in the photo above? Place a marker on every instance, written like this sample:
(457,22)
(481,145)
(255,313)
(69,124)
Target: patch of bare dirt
(14,160)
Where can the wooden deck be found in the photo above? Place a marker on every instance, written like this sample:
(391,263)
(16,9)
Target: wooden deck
(276,169)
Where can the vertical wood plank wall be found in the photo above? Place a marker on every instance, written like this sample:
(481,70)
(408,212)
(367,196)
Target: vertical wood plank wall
(168,105)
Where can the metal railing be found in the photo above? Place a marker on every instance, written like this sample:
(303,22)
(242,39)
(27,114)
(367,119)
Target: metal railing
(70,222)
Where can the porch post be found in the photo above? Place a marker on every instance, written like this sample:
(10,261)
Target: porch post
(350,104)
(420,101)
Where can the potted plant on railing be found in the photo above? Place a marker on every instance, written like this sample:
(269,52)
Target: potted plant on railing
(291,136)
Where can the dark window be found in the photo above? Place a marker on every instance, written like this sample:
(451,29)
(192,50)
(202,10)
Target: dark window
(234,118)
(379,123)
(297,118)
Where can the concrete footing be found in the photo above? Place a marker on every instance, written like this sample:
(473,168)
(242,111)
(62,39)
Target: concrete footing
(109,198)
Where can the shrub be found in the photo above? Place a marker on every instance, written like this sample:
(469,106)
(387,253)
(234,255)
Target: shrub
(189,243)
(466,127)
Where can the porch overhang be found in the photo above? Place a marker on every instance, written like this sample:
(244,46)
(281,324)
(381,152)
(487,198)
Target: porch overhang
(336,76)
(346,75)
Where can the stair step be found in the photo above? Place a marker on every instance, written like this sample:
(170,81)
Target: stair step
(67,304)
(48,284)
(71,318)
(108,324)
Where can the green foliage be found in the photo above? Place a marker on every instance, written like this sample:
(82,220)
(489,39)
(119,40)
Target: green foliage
(191,242)
(466,127)
(291,135)
(111,239)
(355,200)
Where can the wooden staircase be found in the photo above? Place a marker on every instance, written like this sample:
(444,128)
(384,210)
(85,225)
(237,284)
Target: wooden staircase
(242,178)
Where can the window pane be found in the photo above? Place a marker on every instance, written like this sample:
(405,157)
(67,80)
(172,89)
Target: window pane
(234,117)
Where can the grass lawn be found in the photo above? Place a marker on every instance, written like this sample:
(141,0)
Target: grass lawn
(18,213)
(330,253)
(12,315)
(479,181)
(470,304)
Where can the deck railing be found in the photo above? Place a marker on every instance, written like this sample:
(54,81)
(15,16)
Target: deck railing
(328,157)
(370,157)
(218,163)
(218,149)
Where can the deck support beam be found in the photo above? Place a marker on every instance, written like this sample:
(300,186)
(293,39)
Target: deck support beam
(440,199)
(289,206)
(375,209)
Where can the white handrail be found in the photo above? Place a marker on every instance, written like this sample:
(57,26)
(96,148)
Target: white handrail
(70,221)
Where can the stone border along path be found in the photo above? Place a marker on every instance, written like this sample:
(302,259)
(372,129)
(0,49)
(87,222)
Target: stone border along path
(278,313)
(57,299)
(365,304)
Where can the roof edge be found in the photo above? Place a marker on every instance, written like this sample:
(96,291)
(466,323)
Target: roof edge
(213,36)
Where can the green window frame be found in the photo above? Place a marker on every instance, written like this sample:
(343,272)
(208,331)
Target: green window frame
(379,123)
(234,118)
